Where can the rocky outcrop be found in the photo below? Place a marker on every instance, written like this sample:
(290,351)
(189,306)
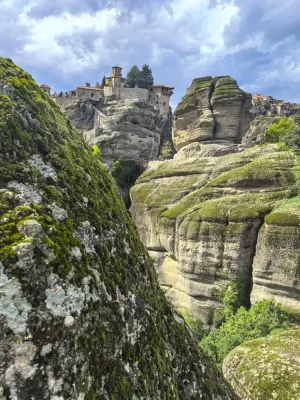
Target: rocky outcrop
(256,133)
(219,211)
(81,113)
(266,368)
(214,109)
(81,313)
(206,220)
(127,130)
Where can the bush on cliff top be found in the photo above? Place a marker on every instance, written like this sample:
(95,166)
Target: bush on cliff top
(263,318)
(284,130)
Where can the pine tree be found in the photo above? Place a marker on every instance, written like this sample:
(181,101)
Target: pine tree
(133,77)
(103,81)
(146,77)
(97,85)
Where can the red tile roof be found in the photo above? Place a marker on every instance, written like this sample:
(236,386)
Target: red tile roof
(43,85)
(163,86)
(88,88)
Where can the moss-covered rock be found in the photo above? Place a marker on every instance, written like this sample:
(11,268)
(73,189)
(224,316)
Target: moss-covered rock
(267,368)
(212,109)
(219,218)
(81,312)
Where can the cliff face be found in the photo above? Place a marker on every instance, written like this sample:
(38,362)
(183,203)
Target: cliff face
(81,313)
(266,368)
(128,131)
(216,212)
(213,109)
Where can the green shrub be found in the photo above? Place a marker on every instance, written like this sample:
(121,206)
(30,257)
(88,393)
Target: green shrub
(263,318)
(279,130)
(166,151)
(196,325)
(96,152)
(232,296)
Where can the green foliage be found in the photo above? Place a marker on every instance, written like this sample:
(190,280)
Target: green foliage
(263,318)
(292,138)
(232,296)
(145,77)
(141,78)
(195,324)
(132,78)
(166,151)
(279,130)
(96,152)
(103,82)
(115,166)
(98,85)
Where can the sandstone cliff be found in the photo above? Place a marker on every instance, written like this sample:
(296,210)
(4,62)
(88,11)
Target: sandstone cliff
(213,109)
(81,313)
(218,211)
(128,131)
(266,368)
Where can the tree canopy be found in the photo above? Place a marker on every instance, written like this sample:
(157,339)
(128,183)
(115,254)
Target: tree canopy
(132,78)
(141,78)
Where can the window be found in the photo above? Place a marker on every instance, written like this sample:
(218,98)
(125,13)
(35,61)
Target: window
(157,95)
(157,102)
(164,103)
(92,94)
(151,89)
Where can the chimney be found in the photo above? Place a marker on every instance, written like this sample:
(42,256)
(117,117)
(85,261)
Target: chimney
(88,84)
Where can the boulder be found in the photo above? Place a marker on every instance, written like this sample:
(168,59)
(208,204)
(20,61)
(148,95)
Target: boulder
(266,368)
(81,312)
(257,130)
(213,109)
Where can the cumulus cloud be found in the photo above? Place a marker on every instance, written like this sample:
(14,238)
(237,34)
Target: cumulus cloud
(66,42)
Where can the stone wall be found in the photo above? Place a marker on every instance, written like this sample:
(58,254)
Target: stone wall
(126,93)
(63,102)
(160,100)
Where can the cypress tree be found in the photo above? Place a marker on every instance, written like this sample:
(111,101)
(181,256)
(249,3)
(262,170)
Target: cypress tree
(133,77)
(146,77)
(103,82)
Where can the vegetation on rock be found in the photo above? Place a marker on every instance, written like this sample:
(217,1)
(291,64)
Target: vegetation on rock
(260,320)
(81,311)
(139,78)
(266,368)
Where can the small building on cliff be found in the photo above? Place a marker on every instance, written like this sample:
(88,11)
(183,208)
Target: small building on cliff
(158,95)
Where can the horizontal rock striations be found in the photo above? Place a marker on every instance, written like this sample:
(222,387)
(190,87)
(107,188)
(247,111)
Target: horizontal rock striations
(204,220)
(81,313)
(213,109)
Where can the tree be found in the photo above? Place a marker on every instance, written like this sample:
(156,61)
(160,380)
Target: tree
(166,151)
(279,129)
(98,85)
(263,318)
(103,81)
(146,77)
(133,77)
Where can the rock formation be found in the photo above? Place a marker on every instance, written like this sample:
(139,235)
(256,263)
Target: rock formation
(266,368)
(81,313)
(213,109)
(256,132)
(128,131)
(218,212)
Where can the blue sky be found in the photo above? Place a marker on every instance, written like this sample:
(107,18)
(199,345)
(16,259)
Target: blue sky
(64,43)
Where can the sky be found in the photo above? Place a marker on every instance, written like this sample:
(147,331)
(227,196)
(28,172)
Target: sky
(65,43)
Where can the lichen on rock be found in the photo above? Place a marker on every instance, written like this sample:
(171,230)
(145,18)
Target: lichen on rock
(81,312)
(266,368)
